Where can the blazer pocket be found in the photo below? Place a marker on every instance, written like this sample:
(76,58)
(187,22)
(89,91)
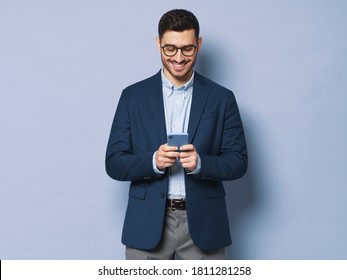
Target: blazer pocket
(138,192)
(216,192)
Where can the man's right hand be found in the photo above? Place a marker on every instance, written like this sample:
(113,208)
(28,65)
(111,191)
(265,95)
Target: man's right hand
(166,156)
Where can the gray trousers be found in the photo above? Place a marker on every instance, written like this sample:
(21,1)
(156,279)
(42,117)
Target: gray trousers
(176,243)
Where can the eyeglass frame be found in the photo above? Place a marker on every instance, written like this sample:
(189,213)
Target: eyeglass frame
(181,48)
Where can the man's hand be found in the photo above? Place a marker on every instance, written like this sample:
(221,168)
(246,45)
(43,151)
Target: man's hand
(166,156)
(188,157)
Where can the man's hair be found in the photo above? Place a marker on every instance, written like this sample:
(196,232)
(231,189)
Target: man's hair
(178,20)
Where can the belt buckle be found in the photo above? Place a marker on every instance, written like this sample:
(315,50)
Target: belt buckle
(172,205)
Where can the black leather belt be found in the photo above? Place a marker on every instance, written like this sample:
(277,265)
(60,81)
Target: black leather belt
(176,204)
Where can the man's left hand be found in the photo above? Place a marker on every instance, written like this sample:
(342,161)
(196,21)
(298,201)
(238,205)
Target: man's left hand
(188,157)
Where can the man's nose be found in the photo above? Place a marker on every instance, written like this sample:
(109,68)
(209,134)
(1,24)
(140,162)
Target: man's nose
(179,56)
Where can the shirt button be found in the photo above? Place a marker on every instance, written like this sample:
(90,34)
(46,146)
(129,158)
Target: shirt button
(162,195)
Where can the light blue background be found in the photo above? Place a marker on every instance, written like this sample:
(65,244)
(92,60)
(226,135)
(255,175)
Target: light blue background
(63,65)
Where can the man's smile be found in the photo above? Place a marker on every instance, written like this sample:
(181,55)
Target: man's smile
(178,66)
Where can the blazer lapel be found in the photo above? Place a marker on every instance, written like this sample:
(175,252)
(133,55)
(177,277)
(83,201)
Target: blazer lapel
(200,95)
(154,90)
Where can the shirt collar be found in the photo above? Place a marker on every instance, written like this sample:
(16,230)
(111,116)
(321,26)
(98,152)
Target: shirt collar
(169,87)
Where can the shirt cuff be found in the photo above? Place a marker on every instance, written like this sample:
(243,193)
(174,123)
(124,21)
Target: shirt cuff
(155,168)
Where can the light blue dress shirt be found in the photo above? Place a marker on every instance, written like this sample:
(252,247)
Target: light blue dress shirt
(177,104)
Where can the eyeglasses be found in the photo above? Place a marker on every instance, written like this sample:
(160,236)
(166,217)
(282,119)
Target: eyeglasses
(171,50)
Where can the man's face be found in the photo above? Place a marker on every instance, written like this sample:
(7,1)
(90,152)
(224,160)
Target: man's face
(179,68)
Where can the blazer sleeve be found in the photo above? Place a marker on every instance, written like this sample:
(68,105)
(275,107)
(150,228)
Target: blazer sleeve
(122,162)
(231,160)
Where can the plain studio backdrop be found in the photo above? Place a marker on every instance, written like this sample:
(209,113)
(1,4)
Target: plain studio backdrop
(63,65)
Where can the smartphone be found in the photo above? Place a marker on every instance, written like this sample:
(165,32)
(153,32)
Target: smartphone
(177,139)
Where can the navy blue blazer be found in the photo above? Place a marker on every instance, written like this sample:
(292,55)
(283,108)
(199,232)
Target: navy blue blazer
(138,129)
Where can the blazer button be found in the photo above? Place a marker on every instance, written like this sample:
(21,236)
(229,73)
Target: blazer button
(162,195)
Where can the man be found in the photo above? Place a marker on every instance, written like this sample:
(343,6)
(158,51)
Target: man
(176,207)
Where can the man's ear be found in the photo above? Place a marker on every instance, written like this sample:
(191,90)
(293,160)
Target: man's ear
(199,43)
(158,43)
